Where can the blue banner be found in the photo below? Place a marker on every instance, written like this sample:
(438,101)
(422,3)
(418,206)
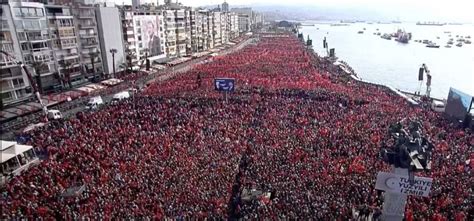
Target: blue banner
(224,84)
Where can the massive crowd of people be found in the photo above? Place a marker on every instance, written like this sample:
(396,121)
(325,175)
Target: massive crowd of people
(295,128)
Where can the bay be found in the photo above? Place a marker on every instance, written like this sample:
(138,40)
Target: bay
(396,64)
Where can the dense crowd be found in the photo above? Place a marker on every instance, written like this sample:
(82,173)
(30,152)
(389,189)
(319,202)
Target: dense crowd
(295,128)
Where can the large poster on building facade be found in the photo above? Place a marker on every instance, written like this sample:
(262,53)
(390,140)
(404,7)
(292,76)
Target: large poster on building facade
(150,34)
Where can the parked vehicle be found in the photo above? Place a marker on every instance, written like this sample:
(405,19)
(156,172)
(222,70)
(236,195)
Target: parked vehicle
(94,103)
(120,96)
(438,106)
(54,115)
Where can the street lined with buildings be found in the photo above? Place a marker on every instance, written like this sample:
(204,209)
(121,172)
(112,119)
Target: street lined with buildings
(67,44)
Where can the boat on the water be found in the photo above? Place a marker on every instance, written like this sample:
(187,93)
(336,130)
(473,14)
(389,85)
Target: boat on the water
(426,41)
(378,33)
(450,42)
(459,44)
(360,32)
(467,42)
(402,36)
(447,46)
(432,45)
(430,23)
(386,36)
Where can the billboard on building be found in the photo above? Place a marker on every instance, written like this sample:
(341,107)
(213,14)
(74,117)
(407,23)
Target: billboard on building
(458,104)
(149,25)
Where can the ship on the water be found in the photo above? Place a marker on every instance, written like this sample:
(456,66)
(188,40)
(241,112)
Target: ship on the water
(431,23)
(402,36)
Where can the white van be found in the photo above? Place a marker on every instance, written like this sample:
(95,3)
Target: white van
(438,106)
(94,103)
(54,115)
(120,96)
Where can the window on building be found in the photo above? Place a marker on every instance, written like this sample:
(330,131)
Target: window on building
(17,12)
(19,24)
(66,11)
(4,84)
(25,46)
(39,12)
(21,93)
(7,47)
(6,96)
(18,82)
(43,24)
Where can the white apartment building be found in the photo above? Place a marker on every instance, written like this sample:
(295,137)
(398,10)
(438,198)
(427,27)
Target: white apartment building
(216,20)
(170,30)
(14,84)
(64,44)
(233,25)
(88,39)
(224,28)
(199,30)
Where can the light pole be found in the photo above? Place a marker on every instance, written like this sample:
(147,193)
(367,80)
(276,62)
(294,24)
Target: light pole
(113,51)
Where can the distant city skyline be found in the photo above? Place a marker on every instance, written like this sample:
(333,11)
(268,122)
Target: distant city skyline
(425,10)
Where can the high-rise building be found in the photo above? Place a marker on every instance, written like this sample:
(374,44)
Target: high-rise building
(216,20)
(14,84)
(88,39)
(233,25)
(64,45)
(225,7)
(136,4)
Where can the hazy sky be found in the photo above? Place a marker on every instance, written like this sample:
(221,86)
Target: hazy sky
(444,9)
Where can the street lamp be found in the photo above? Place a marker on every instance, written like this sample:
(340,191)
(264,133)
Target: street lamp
(113,51)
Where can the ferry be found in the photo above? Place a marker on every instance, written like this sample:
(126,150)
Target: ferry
(386,36)
(432,45)
(431,23)
(402,36)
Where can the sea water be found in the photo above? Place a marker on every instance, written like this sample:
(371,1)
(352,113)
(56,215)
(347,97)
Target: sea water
(396,64)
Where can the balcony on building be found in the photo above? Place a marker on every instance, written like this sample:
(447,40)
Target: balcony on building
(57,11)
(86,14)
(88,25)
(89,43)
(88,35)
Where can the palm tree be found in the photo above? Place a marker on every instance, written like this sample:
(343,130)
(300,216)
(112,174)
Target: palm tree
(39,67)
(67,68)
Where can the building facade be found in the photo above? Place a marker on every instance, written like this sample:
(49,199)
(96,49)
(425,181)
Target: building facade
(85,19)
(14,84)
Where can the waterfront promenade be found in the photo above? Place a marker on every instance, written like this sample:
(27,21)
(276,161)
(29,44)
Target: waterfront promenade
(297,132)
